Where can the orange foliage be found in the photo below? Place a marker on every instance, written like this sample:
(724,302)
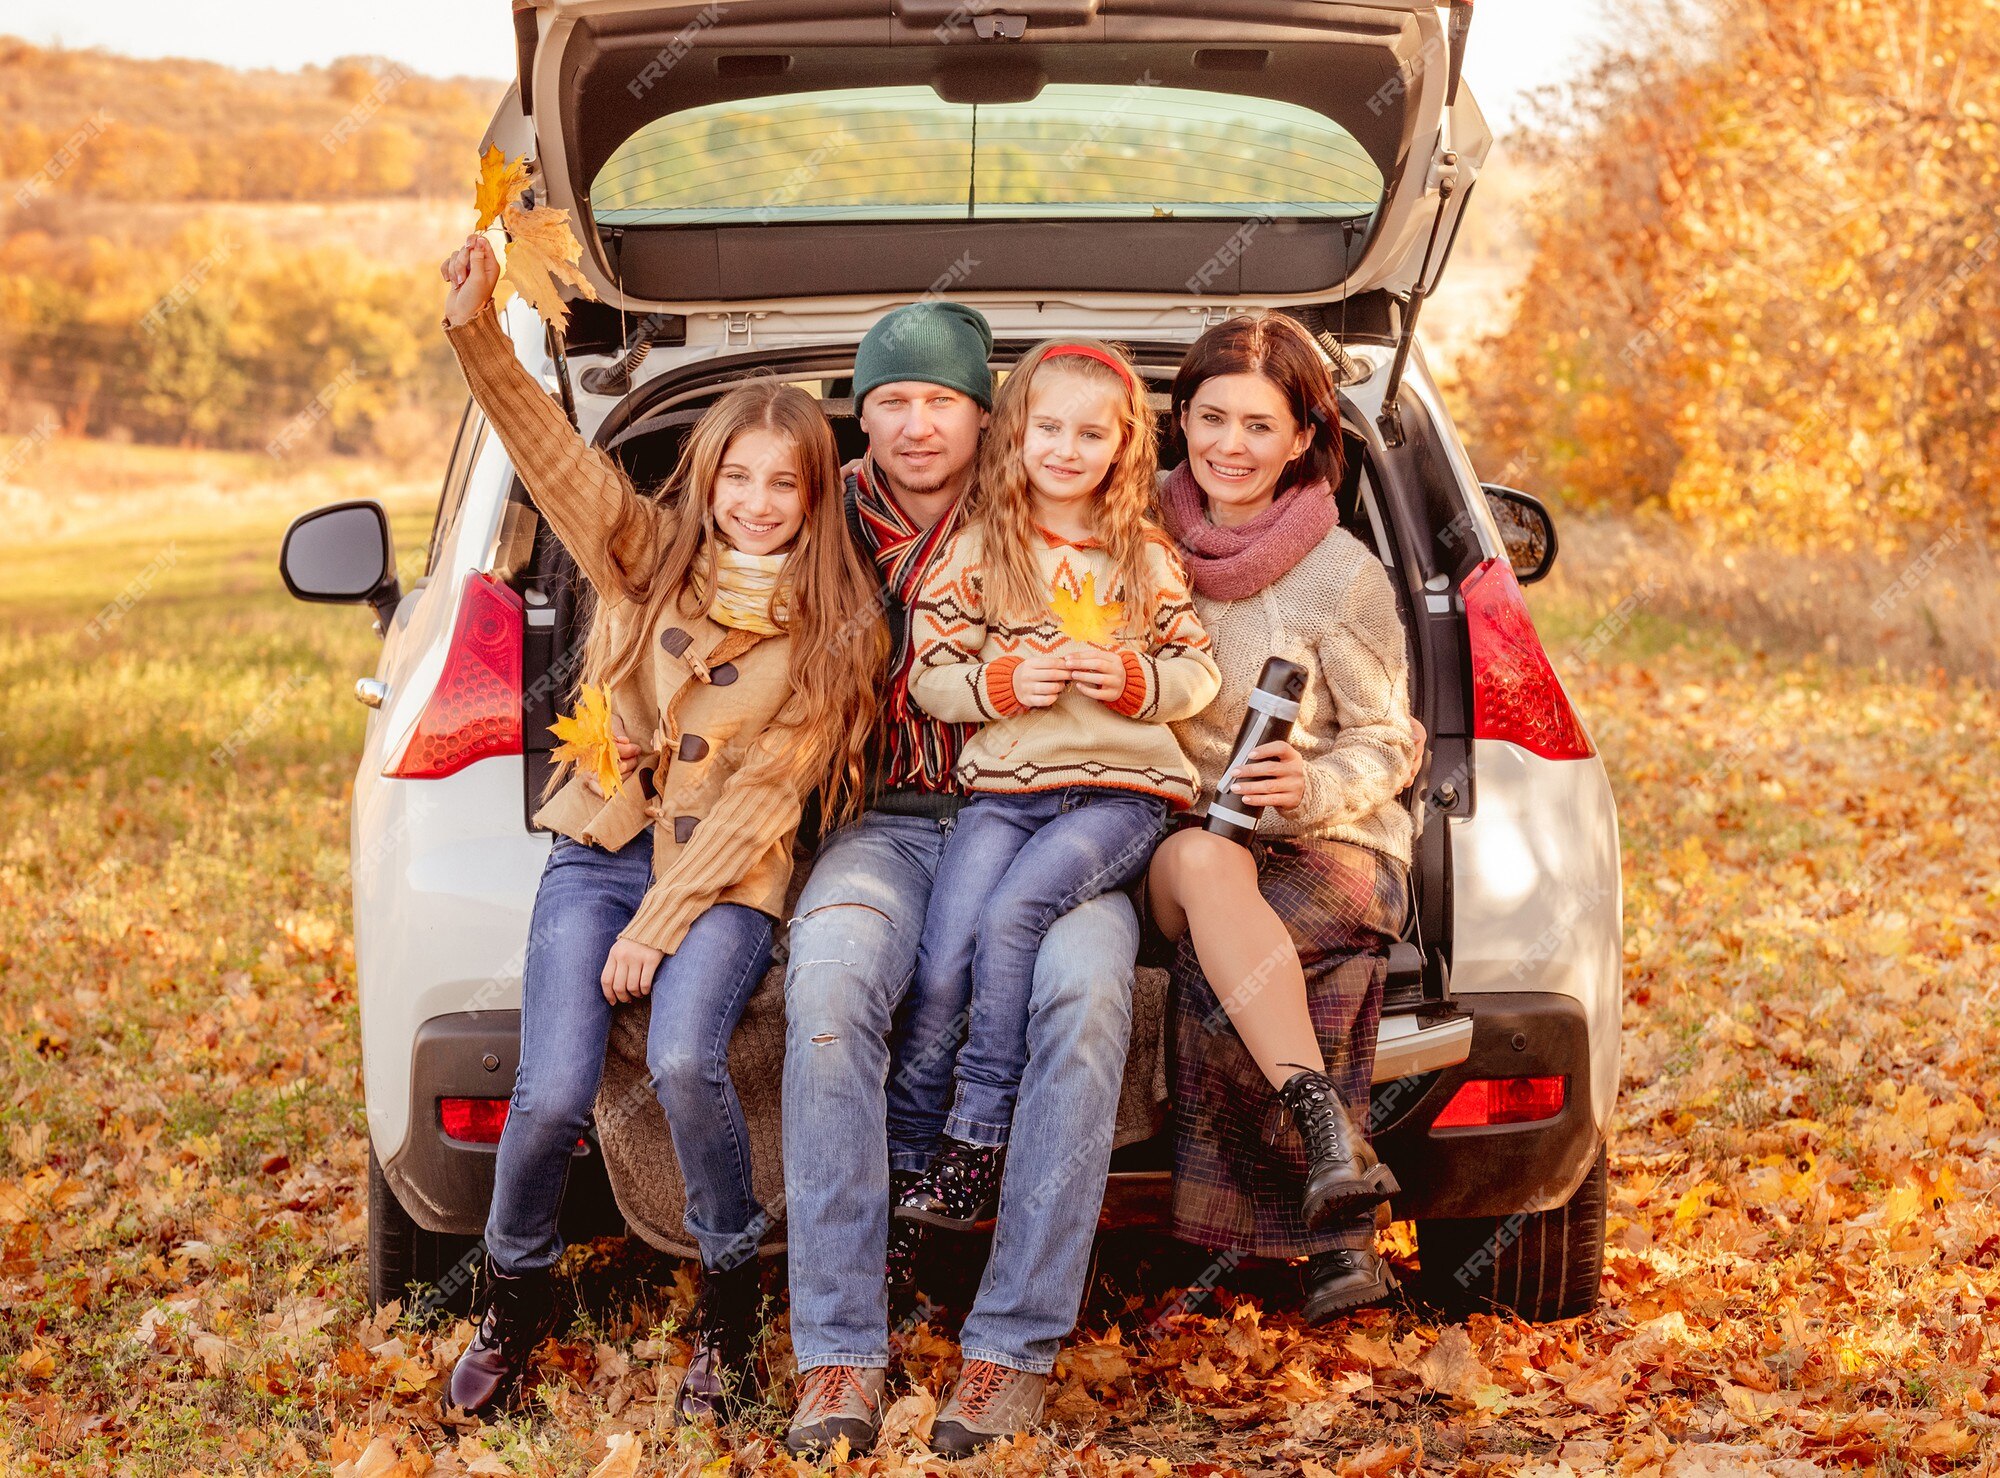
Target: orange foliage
(185,130)
(1766,271)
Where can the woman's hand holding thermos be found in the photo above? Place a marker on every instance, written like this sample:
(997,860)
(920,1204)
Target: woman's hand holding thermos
(1264,770)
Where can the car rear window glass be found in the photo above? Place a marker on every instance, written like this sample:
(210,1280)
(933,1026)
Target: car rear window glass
(903,153)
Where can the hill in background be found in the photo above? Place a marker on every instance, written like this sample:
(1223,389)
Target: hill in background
(178,130)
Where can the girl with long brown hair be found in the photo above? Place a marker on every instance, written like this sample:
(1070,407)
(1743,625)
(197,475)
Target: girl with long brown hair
(1060,619)
(737,629)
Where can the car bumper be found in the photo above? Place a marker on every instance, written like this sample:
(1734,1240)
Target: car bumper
(1499,1169)
(446,1184)
(1496,1170)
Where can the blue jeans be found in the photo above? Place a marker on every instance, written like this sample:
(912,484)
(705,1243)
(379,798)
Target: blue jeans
(868,1064)
(586,896)
(1014,865)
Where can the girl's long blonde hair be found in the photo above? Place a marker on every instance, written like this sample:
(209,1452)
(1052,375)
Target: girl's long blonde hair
(1120,514)
(832,610)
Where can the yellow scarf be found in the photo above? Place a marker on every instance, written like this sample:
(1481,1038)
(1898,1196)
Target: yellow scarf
(746,590)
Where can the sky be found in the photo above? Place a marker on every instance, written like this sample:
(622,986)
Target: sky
(1516,45)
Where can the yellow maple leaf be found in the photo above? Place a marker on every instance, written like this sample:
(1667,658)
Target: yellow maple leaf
(586,738)
(501,181)
(541,248)
(537,249)
(1904,1205)
(1695,1204)
(1082,616)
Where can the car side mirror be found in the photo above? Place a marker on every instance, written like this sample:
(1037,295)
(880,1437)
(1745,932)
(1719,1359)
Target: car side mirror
(1526,530)
(343,554)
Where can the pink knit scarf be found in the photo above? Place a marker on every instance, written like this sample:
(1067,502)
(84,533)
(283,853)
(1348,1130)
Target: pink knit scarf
(1230,564)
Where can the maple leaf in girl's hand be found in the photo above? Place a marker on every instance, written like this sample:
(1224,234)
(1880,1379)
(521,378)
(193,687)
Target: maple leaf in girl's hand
(536,249)
(586,738)
(1082,616)
(501,181)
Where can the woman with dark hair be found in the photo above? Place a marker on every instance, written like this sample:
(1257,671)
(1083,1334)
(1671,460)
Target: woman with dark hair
(1280,946)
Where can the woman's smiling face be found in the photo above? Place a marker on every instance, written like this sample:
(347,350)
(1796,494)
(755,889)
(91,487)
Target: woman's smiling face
(759,503)
(1241,435)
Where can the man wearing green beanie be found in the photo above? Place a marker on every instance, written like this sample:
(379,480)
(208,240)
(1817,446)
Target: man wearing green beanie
(923,387)
(933,341)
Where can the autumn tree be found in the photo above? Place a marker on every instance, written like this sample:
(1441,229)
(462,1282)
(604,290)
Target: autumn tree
(1764,287)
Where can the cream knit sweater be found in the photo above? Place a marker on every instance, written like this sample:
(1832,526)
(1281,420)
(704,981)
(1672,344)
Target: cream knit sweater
(1335,615)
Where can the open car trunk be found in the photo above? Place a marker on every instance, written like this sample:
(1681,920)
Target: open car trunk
(788,152)
(809,163)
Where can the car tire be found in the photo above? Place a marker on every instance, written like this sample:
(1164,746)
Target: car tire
(1541,1265)
(431,1272)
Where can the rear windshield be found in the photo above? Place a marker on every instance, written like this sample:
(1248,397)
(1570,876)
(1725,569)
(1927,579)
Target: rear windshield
(903,153)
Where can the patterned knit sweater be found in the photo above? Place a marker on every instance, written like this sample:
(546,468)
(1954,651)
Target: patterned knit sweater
(965,664)
(1334,614)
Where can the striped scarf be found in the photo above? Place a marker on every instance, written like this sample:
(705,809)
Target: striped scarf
(912,749)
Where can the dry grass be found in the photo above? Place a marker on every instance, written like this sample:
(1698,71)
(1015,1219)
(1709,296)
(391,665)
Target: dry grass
(1804,1253)
(1932,609)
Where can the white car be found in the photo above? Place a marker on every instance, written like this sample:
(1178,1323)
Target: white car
(754,183)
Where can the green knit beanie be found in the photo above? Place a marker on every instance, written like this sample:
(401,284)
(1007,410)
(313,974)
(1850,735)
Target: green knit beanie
(935,342)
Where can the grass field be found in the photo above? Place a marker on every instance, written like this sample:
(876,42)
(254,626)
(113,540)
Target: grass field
(1804,1253)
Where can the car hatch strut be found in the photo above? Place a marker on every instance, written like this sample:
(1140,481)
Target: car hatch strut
(1391,419)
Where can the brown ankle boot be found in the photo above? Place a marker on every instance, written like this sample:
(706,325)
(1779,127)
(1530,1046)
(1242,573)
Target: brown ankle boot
(520,1311)
(719,1373)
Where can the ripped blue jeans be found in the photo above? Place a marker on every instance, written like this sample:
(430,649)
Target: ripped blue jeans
(868,1078)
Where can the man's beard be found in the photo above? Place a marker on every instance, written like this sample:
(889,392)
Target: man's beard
(933,479)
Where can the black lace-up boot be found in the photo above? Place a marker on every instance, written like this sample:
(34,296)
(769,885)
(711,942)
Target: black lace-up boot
(520,1311)
(725,1323)
(1343,1279)
(960,1190)
(1342,1173)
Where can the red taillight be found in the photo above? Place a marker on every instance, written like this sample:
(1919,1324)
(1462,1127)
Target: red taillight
(1515,695)
(478,1120)
(473,1120)
(474,712)
(1502,1101)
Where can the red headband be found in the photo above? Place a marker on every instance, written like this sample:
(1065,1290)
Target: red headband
(1086,351)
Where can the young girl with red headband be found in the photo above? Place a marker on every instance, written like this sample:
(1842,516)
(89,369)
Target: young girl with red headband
(1059,618)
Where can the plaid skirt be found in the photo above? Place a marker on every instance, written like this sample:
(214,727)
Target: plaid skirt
(1239,1163)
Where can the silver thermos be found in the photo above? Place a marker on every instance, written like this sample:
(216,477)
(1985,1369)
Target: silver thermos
(1268,716)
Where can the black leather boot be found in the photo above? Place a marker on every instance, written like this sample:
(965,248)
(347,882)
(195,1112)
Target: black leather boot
(1342,1173)
(960,1190)
(520,1311)
(1340,1280)
(725,1342)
